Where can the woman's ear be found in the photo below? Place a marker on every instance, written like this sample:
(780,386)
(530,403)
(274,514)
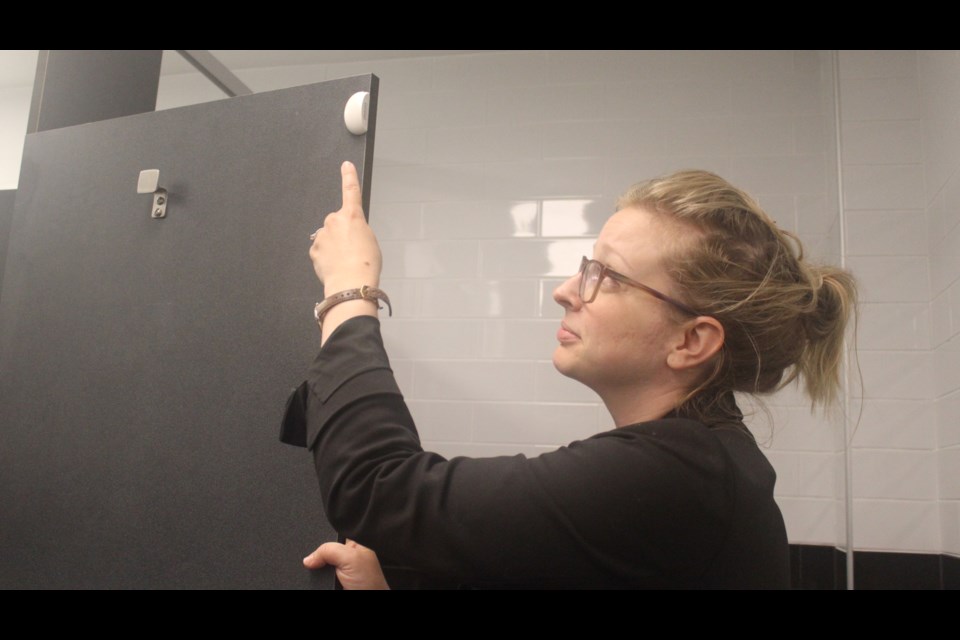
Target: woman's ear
(700,340)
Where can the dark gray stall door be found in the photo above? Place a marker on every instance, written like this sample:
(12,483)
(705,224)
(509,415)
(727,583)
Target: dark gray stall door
(145,363)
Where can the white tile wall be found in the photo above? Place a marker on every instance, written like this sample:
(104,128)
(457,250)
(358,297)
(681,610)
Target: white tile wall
(900,525)
(907,475)
(886,233)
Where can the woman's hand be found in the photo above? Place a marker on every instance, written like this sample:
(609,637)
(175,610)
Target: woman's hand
(345,252)
(357,566)
(346,255)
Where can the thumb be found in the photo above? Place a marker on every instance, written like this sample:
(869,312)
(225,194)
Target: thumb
(328,553)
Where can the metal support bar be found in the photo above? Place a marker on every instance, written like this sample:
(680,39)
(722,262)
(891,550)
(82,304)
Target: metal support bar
(218,74)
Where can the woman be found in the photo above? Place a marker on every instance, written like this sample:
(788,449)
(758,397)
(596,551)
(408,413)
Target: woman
(692,293)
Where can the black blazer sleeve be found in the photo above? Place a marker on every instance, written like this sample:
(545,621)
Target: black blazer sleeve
(613,510)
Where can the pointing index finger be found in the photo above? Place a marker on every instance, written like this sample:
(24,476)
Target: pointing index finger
(351,186)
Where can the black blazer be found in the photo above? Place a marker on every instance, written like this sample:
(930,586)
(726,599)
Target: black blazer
(665,503)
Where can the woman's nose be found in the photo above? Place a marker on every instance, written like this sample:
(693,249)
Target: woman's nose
(567,295)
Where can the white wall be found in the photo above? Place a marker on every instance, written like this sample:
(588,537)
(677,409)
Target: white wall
(493,173)
(939,89)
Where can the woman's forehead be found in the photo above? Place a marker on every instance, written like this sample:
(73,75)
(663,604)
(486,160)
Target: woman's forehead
(634,235)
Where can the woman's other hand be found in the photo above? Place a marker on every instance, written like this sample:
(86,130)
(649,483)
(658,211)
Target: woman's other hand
(357,566)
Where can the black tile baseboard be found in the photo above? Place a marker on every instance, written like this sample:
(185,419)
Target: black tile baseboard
(822,567)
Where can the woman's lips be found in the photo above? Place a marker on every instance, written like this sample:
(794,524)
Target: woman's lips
(564,334)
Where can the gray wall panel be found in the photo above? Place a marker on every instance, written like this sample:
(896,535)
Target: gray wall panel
(144,363)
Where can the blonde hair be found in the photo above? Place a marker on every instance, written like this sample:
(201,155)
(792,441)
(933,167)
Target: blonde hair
(783,317)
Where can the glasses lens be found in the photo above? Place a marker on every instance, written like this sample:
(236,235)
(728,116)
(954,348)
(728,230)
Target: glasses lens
(589,280)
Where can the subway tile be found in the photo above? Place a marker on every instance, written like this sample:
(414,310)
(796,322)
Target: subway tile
(903,475)
(948,420)
(763,135)
(878,64)
(479,298)
(430,258)
(780,174)
(515,105)
(797,429)
(939,81)
(403,373)
(895,186)
(519,339)
(404,296)
(484,144)
(883,142)
(396,220)
(558,177)
(403,109)
(896,374)
(637,139)
(781,208)
(889,233)
(897,325)
(464,107)
(789,95)
(945,262)
(573,102)
(584,139)
(402,183)
(552,386)
(598,66)
(604,419)
(790,396)
(529,423)
(698,136)
(512,69)
(816,134)
(813,63)
(472,380)
(891,279)
(400,146)
(815,214)
(940,320)
(443,421)
(454,182)
(950,527)
(414,73)
(946,362)
(480,219)
(812,475)
(573,217)
(521,258)
(455,145)
(893,424)
(670,99)
(548,306)
(810,520)
(949,481)
(951,203)
(941,138)
(938,222)
(726,64)
(954,293)
(432,338)
(896,525)
(879,98)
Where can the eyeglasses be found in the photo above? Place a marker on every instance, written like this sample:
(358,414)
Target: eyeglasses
(592,274)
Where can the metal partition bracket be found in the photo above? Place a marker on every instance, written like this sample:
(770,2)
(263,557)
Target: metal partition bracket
(149,182)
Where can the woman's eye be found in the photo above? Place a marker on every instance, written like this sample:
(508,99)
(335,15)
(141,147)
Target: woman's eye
(610,284)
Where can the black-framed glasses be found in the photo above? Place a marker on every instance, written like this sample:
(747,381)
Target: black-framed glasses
(592,274)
